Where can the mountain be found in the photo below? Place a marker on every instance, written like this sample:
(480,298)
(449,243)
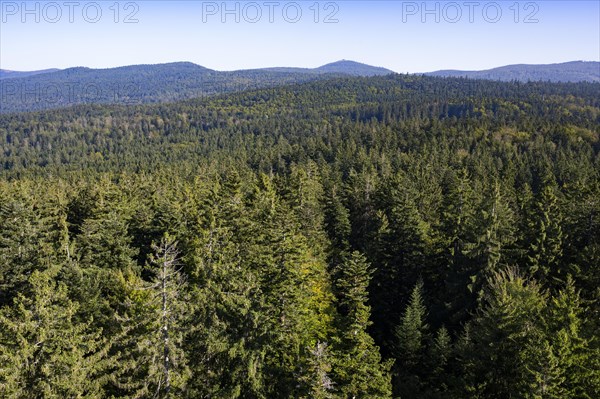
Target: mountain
(345,67)
(575,71)
(353,68)
(140,84)
(6,74)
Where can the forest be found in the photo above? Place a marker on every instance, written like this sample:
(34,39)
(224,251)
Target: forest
(381,237)
(159,83)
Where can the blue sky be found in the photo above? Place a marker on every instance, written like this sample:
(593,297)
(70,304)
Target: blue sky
(404,36)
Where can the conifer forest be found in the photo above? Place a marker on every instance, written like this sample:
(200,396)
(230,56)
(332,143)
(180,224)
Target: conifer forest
(395,236)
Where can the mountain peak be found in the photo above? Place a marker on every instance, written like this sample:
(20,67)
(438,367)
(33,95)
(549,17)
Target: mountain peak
(353,68)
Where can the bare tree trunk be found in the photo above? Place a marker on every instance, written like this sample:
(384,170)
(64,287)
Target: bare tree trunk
(165,327)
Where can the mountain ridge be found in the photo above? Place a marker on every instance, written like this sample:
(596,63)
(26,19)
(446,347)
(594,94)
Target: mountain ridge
(154,83)
(9,74)
(575,70)
(342,66)
(571,71)
(168,82)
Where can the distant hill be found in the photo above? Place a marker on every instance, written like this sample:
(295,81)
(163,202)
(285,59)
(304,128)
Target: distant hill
(140,84)
(575,71)
(345,67)
(6,74)
(353,68)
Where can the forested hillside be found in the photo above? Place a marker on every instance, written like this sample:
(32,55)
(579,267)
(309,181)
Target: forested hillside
(143,84)
(383,237)
(574,71)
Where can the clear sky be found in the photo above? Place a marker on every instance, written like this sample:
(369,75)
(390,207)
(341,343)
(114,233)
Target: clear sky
(405,36)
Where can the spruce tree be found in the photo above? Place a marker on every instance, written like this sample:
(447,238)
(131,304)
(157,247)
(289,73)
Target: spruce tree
(412,336)
(456,239)
(506,352)
(440,381)
(496,236)
(359,370)
(227,348)
(23,245)
(294,284)
(546,238)
(575,353)
(403,256)
(46,349)
(107,267)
